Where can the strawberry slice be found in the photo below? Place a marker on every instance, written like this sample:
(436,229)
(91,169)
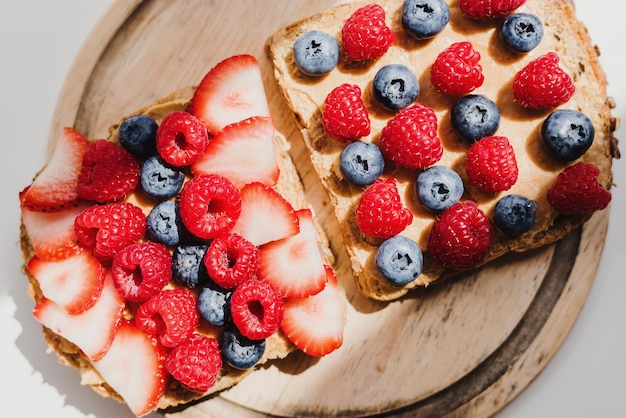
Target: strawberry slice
(91,330)
(230,92)
(265,215)
(54,188)
(242,152)
(315,324)
(74,283)
(294,264)
(135,367)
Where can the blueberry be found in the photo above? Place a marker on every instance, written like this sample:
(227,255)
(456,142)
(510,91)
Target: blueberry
(164,224)
(316,53)
(521,32)
(138,135)
(238,351)
(361,163)
(395,86)
(188,266)
(159,179)
(567,134)
(424,18)
(515,214)
(399,260)
(474,117)
(214,304)
(439,187)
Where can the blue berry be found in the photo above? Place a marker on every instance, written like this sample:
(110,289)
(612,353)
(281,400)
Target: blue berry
(439,187)
(395,86)
(361,163)
(521,32)
(214,304)
(159,179)
(424,18)
(188,266)
(515,214)
(316,53)
(238,351)
(138,135)
(164,224)
(567,134)
(474,117)
(399,260)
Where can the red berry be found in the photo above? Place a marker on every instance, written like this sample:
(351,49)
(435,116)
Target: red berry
(344,116)
(106,229)
(141,270)
(209,205)
(196,363)
(171,315)
(488,9)
(380,212)
(542,84)
(231,259)
(365,34)
(181,138)
(410,138)
(491,164)
(576,190)
(456,69)
(461,236)
(257,309)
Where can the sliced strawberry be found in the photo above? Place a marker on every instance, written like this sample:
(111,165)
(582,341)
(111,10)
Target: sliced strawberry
(54,188)
(294,264)
(230,92)
(265,215)
(315,324)
(135,367)
(91,330)
(74,283)
(242,152)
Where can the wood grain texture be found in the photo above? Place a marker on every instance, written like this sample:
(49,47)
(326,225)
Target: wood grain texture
(465,347)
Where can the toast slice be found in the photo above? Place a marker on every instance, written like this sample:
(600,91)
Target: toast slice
(305,96)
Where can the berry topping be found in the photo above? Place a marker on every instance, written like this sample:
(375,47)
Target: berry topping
(491,164)
(109,173)
(159,179)
(410,138)
(542,84)
(170,315)
(395,86)
(380,212)
(576,190)
(439,187)
(567,134)
(365,34)
(456,69)
(344,116)
(214,304)
(474,117)
(521,32)
(181,138)
(137,134)
(461,236)
(240,352)
(316,53)
(361,163)
(257,309)
(209,205)
(515,214)
(231,259)
(488,9)
(196,363)
(164,224)
(188,266)
(399,260)
(424,19)
(141,270)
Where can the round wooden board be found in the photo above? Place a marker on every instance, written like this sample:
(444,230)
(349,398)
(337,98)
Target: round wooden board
(465,347)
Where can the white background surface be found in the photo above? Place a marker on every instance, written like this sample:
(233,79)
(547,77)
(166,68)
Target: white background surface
(39,40)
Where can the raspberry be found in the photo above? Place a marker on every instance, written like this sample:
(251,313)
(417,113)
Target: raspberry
(109,173)
(460,237)
(181,138)
(365,35)
(141,270)
(231,259)
(171,315)
(257,309)
(106,229)
(209,205)
(344,116)
(488,9)
(410,138)
(491,164)
(380,212)
(456,70)
(542,84)
(576,190)
(196,363)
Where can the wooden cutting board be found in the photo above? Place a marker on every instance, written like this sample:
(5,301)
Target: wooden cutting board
(466,347)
